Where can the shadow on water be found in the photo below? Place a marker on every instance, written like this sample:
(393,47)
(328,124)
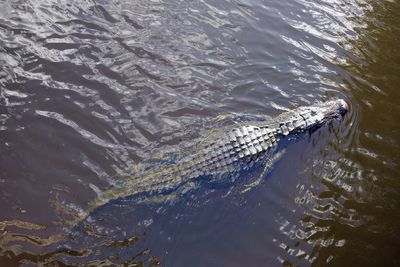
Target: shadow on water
(89,89)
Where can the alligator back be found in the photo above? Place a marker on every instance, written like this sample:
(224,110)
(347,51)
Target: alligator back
(216,158)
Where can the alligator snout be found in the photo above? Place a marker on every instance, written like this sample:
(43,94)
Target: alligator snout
(343,107)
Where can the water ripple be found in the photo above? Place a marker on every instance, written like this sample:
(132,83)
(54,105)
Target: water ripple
(90,89)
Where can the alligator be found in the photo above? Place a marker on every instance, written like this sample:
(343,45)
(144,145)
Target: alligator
(229,154)
(224,155)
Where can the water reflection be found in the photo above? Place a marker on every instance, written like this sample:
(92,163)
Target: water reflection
(90,89)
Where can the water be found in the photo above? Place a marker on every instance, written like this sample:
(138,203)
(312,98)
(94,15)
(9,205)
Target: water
(88,89)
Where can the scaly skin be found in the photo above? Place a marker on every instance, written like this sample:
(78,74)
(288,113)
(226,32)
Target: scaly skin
(230,151)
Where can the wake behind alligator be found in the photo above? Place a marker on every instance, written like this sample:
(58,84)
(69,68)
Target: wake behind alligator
(222,157)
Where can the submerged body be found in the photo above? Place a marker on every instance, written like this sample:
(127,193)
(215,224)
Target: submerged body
(224,155)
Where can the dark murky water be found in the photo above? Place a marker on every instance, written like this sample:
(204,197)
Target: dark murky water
(91,88)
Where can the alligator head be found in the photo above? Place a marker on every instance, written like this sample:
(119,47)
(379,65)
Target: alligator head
(311,117)
(316,115)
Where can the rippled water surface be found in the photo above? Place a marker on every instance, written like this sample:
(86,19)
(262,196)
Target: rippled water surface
(90,89)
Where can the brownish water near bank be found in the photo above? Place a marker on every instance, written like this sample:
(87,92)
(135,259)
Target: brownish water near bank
(91,88)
